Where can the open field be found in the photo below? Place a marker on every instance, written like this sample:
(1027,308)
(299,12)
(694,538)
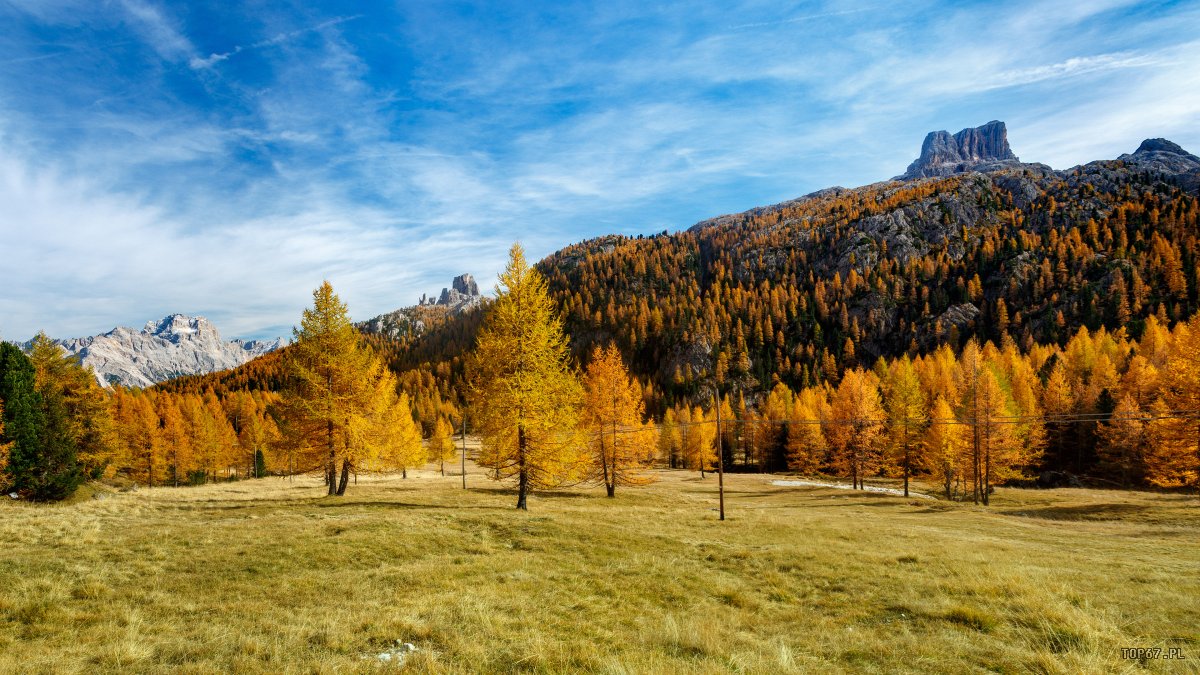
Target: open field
(271,575)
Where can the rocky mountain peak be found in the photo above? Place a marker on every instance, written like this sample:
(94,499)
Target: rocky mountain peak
(175,345)
(943,154)
(180,326)
(465,284)
(1159,145)
(463,292)
(1163,156)
(461,296)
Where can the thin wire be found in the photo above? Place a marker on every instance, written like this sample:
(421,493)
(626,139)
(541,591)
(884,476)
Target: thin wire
(966,421)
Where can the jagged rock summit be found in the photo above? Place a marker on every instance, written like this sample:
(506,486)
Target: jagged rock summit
(463,291)
(461,296)
(981,148)
(170,347)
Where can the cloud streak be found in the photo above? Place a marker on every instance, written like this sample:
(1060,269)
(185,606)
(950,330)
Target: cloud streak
(212,59)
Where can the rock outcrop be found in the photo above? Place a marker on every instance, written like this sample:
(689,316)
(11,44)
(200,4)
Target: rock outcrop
(173,346)
(463,295)
(1163,156)
(463,292)
(979,149)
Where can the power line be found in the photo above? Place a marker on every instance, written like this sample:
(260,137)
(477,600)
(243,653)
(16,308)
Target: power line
(966,421)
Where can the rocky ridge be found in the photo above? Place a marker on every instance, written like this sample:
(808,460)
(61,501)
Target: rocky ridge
(170,347)
(462,296)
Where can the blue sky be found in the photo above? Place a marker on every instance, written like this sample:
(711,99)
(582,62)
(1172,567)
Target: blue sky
(224,158)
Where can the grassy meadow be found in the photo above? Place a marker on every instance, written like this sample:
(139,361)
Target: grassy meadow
(272,576)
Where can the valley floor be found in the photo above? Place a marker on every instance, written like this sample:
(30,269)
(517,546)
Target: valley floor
(270,575)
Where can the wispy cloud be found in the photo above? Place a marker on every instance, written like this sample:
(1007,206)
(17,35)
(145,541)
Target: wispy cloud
(160,33)
(212,59)
(390,151)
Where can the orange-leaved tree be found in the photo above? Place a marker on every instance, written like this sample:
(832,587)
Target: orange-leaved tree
(856,424)
(1174,455)
(621,443)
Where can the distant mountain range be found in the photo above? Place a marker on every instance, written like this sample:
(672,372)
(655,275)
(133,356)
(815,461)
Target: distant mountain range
(173,346)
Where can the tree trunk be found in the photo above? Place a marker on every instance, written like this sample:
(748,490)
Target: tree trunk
(604,465)
(906,469)
(345,477)
(987,469)
(523,474)
(331,466)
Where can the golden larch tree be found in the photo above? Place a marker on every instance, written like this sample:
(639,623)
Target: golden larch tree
(387,436)
(946,450)
(1123,441)
(856,425)
(906,415)
(620,442)
(524,391)
(331,377)
(441,443)
(1174,453)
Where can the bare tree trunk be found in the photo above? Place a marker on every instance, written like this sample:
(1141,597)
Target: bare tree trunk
(464,450)
(345,477)
(331,465)
(720,458)
(987,468)
(604,465)
(523,475)
(906,459)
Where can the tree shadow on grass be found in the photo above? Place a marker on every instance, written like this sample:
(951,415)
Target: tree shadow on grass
(1081,512)
(539,494)
(383,504)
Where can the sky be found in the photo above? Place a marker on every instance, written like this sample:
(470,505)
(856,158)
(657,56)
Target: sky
(222,159)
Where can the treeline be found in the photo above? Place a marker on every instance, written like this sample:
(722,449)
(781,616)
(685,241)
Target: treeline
(1123,410)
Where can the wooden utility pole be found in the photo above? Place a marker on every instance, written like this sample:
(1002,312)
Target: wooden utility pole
(720,457)
(464,450)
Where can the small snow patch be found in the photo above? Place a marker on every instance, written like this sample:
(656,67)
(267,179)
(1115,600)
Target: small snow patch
(843,486)
(397,654)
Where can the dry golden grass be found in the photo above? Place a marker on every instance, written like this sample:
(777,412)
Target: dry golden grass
(272,576)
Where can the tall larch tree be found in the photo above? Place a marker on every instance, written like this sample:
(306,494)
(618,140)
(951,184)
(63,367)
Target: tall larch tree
(389,437)
(612,418)
(79,429)
(856,424)
(441,443)
(946,451)
(330,378)
(1174,454)
(524,391)
(906,415)
(1123,443)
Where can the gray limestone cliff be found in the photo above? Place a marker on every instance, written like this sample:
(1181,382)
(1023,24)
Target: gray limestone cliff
(980,148)
(170,347)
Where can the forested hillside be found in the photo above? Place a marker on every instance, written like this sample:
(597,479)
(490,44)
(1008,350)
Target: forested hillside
(1040,272)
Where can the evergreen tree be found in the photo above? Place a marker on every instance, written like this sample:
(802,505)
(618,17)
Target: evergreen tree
(23,419)
(42,462)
